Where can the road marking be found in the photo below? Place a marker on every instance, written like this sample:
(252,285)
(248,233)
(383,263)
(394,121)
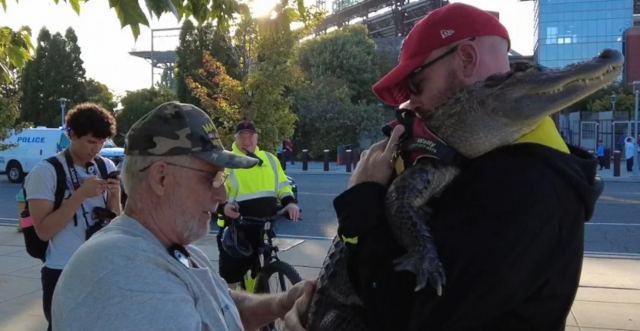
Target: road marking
(290,236)
(634,256)
(615,224)
(322,194)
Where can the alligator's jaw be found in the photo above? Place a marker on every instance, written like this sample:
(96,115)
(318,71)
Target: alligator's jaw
(496,112)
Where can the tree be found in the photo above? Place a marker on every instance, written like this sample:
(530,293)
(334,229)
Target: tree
(336,106)
(347,54)
(194,42)
(56,72)
(219,95)
(9,109)
(272,79)
(601,100)
(15,51)
(99,93)
(137,103)
(328,118)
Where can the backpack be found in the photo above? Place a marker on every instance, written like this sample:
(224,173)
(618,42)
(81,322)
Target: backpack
(36,247)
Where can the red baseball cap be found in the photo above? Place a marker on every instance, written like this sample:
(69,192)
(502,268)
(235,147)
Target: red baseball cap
(439,28)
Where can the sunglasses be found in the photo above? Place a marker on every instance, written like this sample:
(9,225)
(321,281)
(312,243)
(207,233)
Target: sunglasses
(217,180)
(414,83)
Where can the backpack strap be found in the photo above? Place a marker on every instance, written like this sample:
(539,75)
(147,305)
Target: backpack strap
(60,181)
(102,167)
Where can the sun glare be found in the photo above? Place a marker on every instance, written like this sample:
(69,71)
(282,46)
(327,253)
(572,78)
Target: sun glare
(261,8)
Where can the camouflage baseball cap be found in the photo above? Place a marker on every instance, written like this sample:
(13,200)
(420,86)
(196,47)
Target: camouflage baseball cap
(175,128)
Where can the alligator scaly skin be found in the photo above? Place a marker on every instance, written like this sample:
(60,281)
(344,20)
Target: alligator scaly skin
(335,305)
(407,213)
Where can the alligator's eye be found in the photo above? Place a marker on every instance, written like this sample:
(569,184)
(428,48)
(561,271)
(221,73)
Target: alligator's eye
(497,79)
(521,66)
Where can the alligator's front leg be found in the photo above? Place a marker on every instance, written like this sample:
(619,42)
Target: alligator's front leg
(407,213)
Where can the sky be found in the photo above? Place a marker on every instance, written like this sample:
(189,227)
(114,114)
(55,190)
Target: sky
(105,45)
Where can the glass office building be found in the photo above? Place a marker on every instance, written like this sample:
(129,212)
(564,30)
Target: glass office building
(570,31)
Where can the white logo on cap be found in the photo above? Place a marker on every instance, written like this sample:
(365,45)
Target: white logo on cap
(446,33)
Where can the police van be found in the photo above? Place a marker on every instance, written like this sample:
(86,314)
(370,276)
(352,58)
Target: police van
(32,145)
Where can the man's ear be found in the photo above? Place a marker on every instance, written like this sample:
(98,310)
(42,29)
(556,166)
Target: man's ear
(158,177)
(469,55)
(71,134)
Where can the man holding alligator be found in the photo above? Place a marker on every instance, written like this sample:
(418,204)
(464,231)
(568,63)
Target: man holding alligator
(508,229)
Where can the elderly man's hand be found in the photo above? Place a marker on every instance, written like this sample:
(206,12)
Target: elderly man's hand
(296,303)
(376,163)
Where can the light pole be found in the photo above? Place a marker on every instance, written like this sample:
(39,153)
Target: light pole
(613,103)
(63,103)
(636,86)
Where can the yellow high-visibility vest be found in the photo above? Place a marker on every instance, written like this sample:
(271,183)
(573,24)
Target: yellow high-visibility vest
(266,180)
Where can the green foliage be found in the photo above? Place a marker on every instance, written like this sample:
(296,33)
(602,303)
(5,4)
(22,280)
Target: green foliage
(601,100)
(194,42)
(130,14)
(15,51)
(137,103)
(55,72)
(9,110)
(99,93)
(336,107)
(219,95)
(328,118)
(347,54)
(272,79)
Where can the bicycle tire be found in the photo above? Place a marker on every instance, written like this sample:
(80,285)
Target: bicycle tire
(280,268)
(262,285)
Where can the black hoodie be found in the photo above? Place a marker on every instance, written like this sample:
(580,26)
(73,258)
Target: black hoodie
(509,231)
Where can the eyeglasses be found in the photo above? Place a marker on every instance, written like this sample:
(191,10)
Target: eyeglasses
(414,85)
(217,180)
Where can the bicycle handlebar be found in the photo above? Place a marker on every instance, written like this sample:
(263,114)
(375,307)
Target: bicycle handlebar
(260,221)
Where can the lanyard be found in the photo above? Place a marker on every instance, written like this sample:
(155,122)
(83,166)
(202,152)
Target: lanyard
(76,184)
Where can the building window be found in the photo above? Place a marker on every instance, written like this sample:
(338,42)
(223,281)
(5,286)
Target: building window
(552,33)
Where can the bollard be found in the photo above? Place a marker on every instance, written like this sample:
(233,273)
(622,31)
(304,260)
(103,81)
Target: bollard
(616,163)
(326,160)
(348,159)
(305,159)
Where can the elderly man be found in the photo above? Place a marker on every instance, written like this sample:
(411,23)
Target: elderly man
(141,272)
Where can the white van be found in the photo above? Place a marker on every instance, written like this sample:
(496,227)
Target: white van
(32,145)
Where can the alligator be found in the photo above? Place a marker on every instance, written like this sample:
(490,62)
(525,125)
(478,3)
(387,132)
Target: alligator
(481,117)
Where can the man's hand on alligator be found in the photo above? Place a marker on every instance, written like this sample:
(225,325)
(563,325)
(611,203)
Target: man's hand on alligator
(376,163)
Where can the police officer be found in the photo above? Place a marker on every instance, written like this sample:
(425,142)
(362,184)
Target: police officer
(253,192)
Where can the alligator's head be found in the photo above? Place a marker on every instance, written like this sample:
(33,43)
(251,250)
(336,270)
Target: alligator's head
(497,111)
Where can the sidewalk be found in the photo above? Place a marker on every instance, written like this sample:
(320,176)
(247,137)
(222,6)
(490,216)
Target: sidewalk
(607,175)
(608,297)
(316,167)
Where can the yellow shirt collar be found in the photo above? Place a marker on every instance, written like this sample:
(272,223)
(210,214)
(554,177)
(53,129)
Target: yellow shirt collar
(545,134)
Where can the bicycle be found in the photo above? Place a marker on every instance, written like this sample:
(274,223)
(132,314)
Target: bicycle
(268,274)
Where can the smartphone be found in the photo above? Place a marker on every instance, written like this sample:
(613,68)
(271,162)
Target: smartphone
(114,174)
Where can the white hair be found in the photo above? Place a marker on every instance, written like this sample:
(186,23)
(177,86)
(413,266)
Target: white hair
(132,177)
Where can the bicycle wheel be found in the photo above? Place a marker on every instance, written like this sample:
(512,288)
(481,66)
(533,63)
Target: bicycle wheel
(276,277)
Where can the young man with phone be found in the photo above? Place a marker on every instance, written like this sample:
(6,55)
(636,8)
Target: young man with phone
(86,195)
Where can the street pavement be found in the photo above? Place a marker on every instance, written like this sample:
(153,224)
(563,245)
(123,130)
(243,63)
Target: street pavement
(608,297)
